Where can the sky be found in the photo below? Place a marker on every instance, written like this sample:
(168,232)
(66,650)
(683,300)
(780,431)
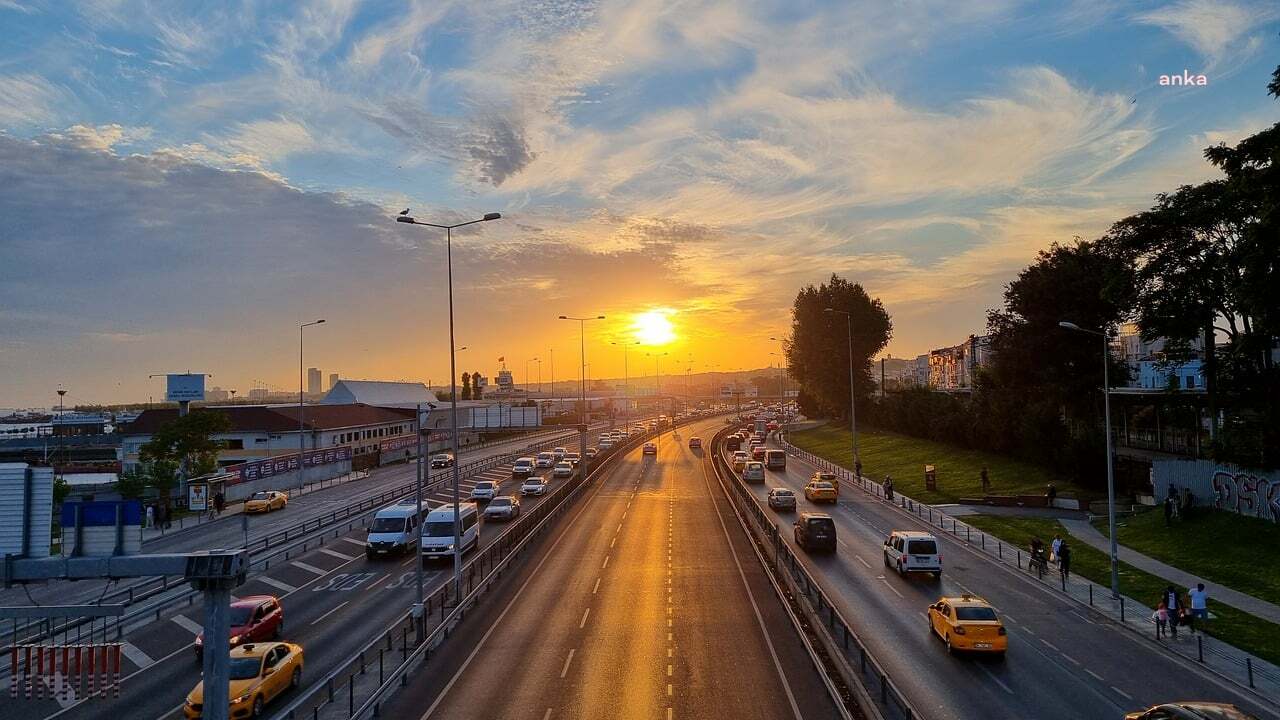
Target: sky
(183,184)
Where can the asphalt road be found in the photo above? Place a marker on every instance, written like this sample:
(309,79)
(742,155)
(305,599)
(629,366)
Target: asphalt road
(1061,662)
(648,603)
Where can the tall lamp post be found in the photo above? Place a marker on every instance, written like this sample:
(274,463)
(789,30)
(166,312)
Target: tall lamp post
(853,413)
(582,358)
(405,217)
(526,373)
(302,432)
(1111,480)
(782,354)
(657,378)
(626,385)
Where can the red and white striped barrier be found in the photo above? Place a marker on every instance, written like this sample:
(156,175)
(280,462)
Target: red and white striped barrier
(64,672)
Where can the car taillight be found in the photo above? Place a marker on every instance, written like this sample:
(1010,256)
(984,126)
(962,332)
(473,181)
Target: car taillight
(959,629)
(1002,631)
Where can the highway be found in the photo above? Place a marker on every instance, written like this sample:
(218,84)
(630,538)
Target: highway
(648,603)
(1061,664)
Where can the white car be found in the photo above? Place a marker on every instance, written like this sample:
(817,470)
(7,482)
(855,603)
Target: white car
(753,472)
(545,460)
(592,453)
(558,453)
(912,551)
(503,507)
(523,467)
(534,486)
(605,443)
(573,457)
(563,469)
(484,490)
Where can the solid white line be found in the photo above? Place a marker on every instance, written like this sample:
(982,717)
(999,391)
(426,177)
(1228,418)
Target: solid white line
(999,682)
(585,613)
(309,568)
(286,587)
(135,655)
(187,623)
(335,553)
(565,670)
(336,609)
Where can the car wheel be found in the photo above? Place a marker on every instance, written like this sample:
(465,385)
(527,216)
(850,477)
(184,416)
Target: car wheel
(951,650)
(257,707)
(296,679)
(886,559)
(937,575)
(368,554)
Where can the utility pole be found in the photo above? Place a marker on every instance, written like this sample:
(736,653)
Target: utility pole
(582,419)
(853,406)
(302,425)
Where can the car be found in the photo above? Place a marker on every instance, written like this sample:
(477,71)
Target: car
(558,453)
(968,623)
(523,467)
(484,490)
(753,472)
(503,507)
(545,460)
(773,425)
(695,442)
(265,501)
(826,476)
(740,460)
(394,528)
(650,448)
(912,551)
(573,458)
(815,532)
(605,443)
(1190,710)
(563,469)
(775,459)
(733,442)
(254,618)
(782,498)
(442,460)
(757,453)
(592,453)
(821,491)
(534,486)
(259,673)
(756,441)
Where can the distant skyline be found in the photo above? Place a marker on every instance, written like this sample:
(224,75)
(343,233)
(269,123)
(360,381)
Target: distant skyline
(183,184)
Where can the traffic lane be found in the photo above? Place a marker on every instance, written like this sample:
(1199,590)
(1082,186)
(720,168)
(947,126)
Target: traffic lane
(528,635)
(1095,658)
(746,660)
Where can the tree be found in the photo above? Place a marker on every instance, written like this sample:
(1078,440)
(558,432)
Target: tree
(818,351)
(477,390)
(466,386)
(187,440)
(132,484)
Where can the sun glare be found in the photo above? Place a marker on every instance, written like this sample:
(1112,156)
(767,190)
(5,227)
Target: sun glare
(653,328)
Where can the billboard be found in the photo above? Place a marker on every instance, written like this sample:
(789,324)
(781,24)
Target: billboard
(184,387)
(258,469)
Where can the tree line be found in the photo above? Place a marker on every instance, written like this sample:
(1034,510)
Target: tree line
(1200,263)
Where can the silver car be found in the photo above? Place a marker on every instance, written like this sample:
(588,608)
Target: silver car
(782,499)
(503,507)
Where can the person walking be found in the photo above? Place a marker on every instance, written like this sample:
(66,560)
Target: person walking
(1064,561)
(1199,600)
(888,488)
(1168,511)
(1161,616)
(1173,604)
(219,503)
(857,470)
(1053,548)
(1051,492)
(986,480)
(151,515)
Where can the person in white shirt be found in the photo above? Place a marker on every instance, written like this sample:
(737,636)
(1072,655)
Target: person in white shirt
(1054,547)
(1199,605)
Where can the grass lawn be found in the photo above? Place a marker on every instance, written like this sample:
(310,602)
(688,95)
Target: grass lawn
(1235,551)
(1251,634)
(904,458)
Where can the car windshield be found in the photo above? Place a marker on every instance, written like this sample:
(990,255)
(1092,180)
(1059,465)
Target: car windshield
(240,614)
(922,547)
(827,476)
(245,668)
(533,481)
(442,528)
(783,492)
(260,496)
(486,485)
(821,524)
(822,486)
(500,502)
(975,613)
(387,525)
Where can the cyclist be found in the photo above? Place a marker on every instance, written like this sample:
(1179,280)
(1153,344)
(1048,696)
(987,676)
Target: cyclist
(1037,555)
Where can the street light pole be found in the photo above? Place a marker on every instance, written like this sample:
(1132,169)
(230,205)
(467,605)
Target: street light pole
(853,409)
(1111,480)
(782,361)
(301,425)
(404,217)
(582,420)
(626,386)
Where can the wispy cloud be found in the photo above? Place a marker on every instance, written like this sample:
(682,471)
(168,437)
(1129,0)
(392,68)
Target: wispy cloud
(27,99)
(1213,28)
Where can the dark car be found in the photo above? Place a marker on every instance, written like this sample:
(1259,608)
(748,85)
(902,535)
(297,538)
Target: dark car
(1191,710)
(815,532)
(733,442)
(253,619)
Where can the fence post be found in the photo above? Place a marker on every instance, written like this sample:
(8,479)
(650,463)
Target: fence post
(1121,608)
(1200,647)
(351,695)
(1090,594)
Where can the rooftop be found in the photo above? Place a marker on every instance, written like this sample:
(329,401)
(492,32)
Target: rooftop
(277,418)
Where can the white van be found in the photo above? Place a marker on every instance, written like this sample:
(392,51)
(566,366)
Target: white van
(437,530)
(912,551)
(393,529)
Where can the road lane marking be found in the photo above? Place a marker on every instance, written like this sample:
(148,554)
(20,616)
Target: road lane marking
(565,670)
(286,587)
(379,581)
(597,587)
(670,669)
(999,682)
(613,541)
(583,623)
(354,541)
(864,562)
(135,655)
(668,713)
(1071,660)
(615,532)
(336,609)
(606,562)
(546,714)
(668,689)
(1094,675)
(309,568)
(1124,694)
(886,584)
(1050,645)
(187,623)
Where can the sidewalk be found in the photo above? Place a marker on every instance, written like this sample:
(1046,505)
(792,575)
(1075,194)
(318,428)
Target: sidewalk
(1084,531)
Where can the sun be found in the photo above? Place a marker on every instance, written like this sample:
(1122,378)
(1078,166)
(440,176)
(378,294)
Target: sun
(653,328)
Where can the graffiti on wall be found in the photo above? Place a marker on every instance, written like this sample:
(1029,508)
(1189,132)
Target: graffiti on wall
(1247,494)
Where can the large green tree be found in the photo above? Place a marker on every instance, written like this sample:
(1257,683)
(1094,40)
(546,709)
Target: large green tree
(186,441)
(818,349)
(466,386)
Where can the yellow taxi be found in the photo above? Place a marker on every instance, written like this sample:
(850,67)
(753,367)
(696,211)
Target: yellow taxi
(827,476)
(266,501)
(968,623)
(821,491)
(259,673)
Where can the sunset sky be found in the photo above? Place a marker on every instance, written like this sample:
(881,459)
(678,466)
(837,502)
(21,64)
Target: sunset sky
(181,184)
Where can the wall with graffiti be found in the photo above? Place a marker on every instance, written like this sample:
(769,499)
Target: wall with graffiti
(1227,487)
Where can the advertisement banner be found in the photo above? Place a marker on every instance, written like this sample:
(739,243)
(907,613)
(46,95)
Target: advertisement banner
(281,464)
(198,497)
(184,387)
(397,443)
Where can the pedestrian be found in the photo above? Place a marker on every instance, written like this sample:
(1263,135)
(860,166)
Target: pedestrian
(162,513)
(857,469)
(1051,493)
(1168,511)
(1174,605)
(1064,561)
(1199,601)
(1171,500)
(888,488)
(151,514)
(1161,616)
(1053,548)
(219,502)
(986,481)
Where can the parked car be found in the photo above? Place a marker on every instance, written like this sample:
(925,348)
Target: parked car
(265,501)
(782,498)
(254,618)
(442,460)
(503,507)
(912,551)
(815,531)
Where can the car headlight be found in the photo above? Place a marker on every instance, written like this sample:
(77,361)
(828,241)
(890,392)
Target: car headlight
(235,639)
(242,698)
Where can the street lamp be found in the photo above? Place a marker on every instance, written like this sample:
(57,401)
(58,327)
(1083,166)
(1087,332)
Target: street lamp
(301,425)
(1111,480)
(626,384)
(853,414)
(405,217)
(782,381)
(582,356)
(657,378)
(526,373)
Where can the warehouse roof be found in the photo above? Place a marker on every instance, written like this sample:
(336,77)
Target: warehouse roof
(277,418)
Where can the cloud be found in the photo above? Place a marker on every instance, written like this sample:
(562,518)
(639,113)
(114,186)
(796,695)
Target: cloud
(102,137)
(1211,27)
(491,147)
(27,99)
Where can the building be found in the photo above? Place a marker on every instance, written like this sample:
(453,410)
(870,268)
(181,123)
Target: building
(217,394)
(378,392)
(1148,363)
(72,424)
(505,382)
(953,369)
(262,431)
(333,380)
(314,377)
(920,371)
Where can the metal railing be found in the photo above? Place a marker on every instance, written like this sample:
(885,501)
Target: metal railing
(1223,659)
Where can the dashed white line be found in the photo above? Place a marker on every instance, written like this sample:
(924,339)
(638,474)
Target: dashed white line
(335,553)
(606,562)
(670,669)
(585,614)
(999,682)
(188,624)
(1071,660)
(565,670)
(309,568)
(596,588)
(864,562)
(1124,694)
(613,541)
(1050,645)
(546,715)
(336,609)
(286,587)
(894,589)
(1094,675)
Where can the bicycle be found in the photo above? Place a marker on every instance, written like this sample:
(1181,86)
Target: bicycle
(1038,562)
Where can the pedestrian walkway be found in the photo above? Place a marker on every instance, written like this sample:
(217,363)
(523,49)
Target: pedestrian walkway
(1084,531)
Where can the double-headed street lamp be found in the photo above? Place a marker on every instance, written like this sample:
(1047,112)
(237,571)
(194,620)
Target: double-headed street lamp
(1111,480)
(582,358)
(405,217)
(301,424)
(853,416)
(657,377)
(626,383)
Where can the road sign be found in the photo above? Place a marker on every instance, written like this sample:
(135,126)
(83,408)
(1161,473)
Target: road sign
(184,387)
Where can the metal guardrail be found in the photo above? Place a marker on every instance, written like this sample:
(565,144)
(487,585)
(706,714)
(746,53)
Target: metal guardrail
(1240,667)
(479,574)
(875,690)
